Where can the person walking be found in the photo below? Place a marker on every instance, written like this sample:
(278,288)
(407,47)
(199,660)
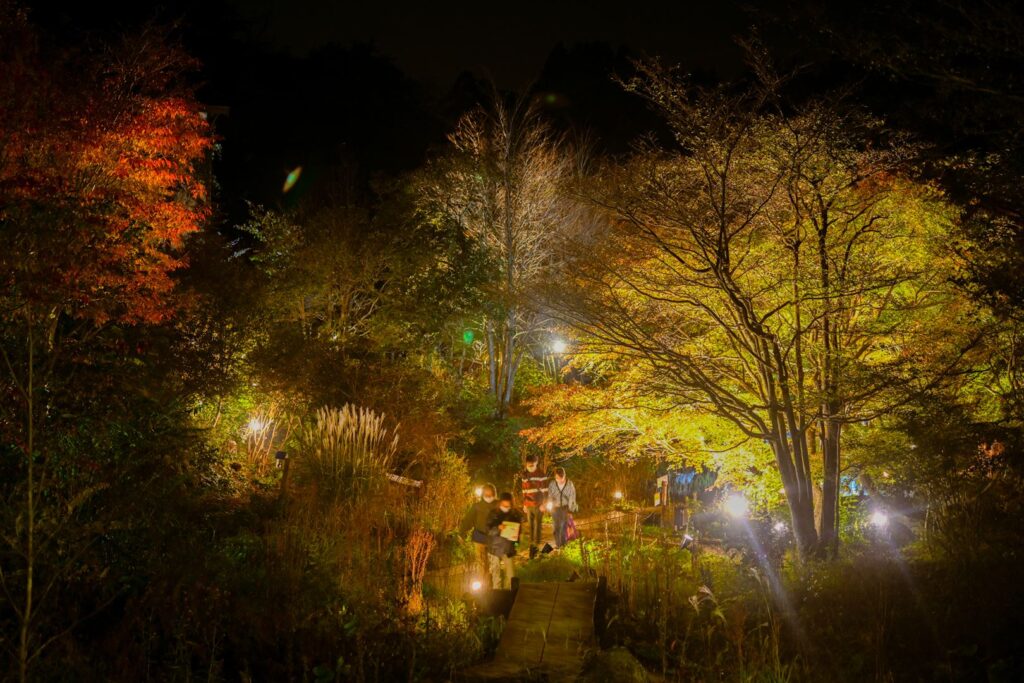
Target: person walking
(534,485)
(476,521)
(503,526)
(562,502)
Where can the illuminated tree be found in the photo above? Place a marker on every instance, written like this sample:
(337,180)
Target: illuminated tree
(503,184)
(773,270)
(98,153)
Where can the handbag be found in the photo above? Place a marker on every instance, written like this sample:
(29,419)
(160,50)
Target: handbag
(570,529)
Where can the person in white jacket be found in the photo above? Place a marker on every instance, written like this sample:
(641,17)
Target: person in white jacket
(562,499)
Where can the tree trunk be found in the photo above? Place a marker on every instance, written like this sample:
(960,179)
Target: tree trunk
(492,358)
(801,504)
(830,433)
(24,641)
(503,357)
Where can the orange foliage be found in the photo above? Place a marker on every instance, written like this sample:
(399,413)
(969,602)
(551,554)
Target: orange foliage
(97,175)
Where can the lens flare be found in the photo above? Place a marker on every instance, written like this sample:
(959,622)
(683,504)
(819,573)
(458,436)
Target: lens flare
(293,177)
(736,505)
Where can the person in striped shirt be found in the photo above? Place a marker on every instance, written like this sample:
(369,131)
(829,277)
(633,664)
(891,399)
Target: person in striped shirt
(535,485)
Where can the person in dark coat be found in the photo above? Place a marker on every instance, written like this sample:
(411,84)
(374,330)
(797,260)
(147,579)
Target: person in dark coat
(501,551)
(476,521)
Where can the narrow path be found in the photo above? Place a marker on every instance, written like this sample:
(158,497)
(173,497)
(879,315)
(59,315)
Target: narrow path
(550,628)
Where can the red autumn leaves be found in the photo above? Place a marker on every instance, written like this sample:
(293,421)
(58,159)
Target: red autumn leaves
(98,158)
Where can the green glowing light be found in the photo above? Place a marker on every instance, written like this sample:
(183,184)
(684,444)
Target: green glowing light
(467,337)
(292,178)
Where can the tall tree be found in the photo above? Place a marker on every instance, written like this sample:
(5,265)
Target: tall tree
(98,152)
(503,183)
(771,269)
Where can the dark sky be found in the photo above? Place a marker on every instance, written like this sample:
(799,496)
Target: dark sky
(434,41)
(348,106)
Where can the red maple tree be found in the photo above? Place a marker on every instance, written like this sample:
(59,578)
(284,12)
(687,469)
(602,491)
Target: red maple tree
(98,183)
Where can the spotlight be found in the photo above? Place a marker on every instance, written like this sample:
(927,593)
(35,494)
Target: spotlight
(617,495)
(559,346)
(479,491)
(476,586)
(880,519)
(736,505)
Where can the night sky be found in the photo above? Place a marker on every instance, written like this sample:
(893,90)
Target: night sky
(373,87)
(434,42)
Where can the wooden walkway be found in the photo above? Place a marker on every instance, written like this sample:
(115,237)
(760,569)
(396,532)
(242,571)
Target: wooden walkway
(549,629)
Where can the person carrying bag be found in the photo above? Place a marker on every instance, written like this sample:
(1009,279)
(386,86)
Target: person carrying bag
(562,499)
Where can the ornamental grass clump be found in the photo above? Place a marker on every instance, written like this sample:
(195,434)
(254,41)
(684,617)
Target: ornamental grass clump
(347,453)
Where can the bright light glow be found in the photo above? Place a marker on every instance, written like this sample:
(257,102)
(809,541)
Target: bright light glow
(257,425)
(780,527)
(617,495)
(479,491)
(559,346)
(476,586)
(885,475)
(736,505)
(550,506)
(880,519)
